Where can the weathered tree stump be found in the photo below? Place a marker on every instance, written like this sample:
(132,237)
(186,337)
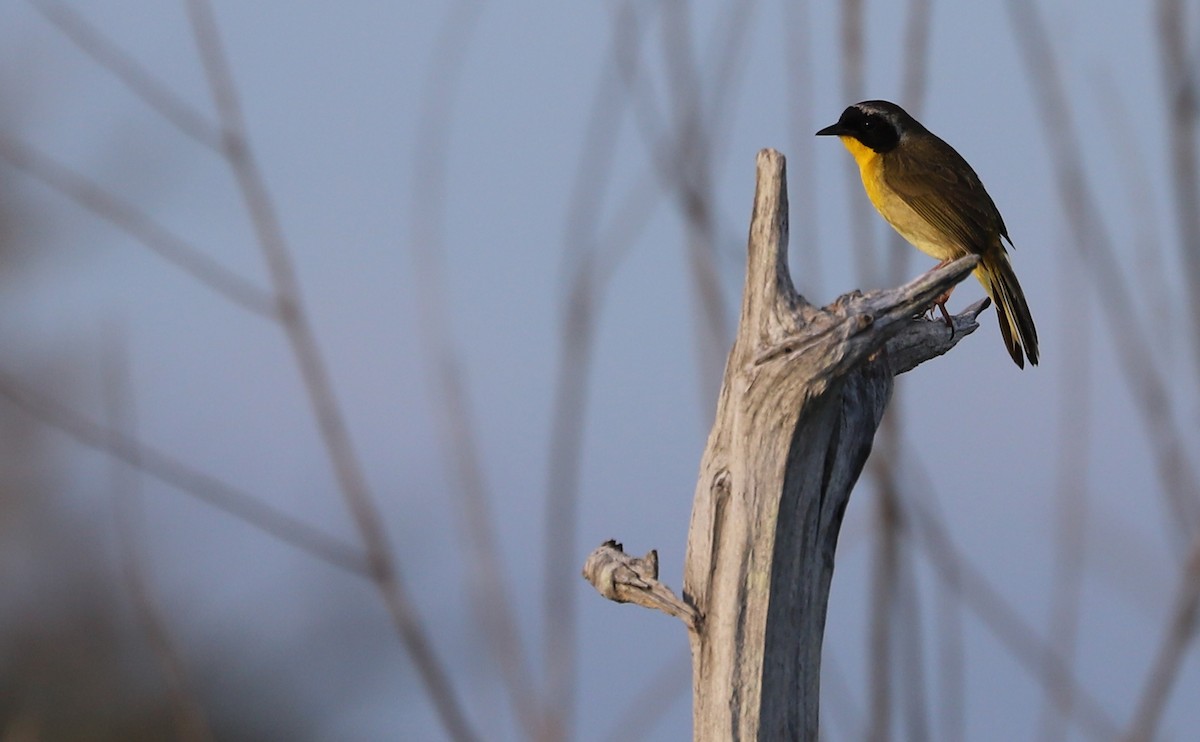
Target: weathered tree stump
(803,393)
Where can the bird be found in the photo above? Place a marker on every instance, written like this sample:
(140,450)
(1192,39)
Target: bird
(934,199)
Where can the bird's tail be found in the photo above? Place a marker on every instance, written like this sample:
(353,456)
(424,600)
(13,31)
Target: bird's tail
(1016,323)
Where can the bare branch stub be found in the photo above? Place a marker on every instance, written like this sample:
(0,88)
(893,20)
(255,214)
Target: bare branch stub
(625,578)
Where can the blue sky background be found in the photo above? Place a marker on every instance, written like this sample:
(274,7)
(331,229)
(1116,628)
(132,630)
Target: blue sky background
(332,97)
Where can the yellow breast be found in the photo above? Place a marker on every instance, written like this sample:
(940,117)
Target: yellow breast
(912,226)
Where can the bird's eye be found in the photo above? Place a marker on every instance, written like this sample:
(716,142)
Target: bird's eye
(867,124)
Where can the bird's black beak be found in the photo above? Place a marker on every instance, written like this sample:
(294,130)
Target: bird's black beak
(832,130)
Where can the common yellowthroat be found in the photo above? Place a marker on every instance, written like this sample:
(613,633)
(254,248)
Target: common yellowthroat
(933,198)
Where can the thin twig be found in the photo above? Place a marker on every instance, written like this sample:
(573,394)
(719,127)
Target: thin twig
(1037,657)
(1179,634)
(1092,241)
(1183,107)
(732,35)
(909,650)
(628,28)
(593,254)
(691,166)
(684,153)
(884,565)
(1183,154)
(950,659)
(139,225)
(798,73)
(911,676)
(135,76)
(853,49)
(678,173)
(1075,384)
(916,52)
(190,721)
(382,564)
(460,446)
(603,247)
(168,469)
(1150,248)
(631,216)
(589,262)
(853,56)
(886,562)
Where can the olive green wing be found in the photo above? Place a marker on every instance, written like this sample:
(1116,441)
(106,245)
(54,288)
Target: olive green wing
(933,179)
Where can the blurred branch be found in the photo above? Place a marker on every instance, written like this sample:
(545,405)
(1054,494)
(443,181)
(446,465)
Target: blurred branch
(591,257)
(190,722)
(1071,506)
(285,305)
(884,583)
(684,153)
(562,493)
(460,446)
(628,29)
(911,672)
(1150,247)
(1181,630)
(204,487)
(853,61)
(1183,156)
(888,598)
(139,225)
(1094,245)
(134,75)
(1037,657)
(382,565)
(669,147)
(951,662)
(612,243)
(732,33)
(798,74)
(916,53)
(689,176)
(853,49)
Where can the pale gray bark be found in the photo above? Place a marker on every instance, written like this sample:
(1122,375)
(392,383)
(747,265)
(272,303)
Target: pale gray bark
(803,393)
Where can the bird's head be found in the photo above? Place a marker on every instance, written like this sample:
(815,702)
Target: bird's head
(876,124)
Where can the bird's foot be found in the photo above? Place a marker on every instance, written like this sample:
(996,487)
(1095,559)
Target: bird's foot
(940,303)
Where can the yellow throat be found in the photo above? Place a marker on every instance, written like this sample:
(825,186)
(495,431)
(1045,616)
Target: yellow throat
(869,168)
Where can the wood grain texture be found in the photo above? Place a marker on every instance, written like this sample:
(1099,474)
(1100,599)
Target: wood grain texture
(803,393)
